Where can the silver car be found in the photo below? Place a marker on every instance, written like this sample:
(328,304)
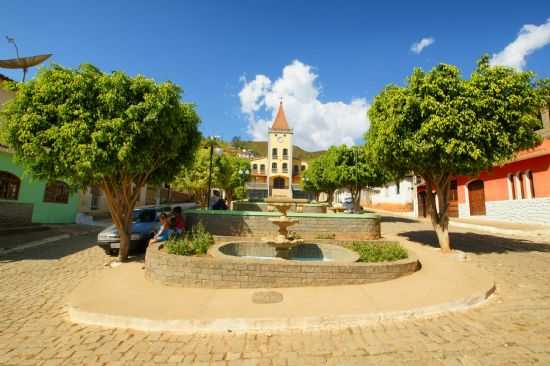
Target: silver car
(145,221)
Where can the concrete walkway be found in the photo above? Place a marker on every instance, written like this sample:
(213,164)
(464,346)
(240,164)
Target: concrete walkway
(482,224)
(445,283)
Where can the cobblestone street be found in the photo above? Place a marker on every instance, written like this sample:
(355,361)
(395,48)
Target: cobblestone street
(513,328)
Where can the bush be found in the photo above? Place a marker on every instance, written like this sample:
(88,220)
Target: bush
(195,242)
(384,251)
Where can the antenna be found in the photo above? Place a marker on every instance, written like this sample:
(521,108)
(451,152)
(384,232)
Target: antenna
(22,62)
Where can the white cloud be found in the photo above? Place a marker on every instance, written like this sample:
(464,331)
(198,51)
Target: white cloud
(316,125)
(417,47)
(530,38)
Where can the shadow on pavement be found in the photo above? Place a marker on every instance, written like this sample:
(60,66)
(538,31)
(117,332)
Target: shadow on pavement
(53,250)
(386,218)
(477,243)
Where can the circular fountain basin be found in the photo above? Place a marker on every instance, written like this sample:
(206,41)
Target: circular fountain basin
(305,252)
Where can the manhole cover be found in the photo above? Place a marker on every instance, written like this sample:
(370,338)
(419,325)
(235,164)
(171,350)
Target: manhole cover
(267,297)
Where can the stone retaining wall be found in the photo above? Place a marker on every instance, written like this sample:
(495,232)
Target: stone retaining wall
(529,211)
(311,226)
(208,272)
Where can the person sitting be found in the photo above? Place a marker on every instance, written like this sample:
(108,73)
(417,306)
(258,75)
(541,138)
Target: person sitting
(214,200)
(220,205)
(179,220)
(166,229)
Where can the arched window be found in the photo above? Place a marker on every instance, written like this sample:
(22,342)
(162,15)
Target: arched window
(274,167)
(56,192)
(285,153)
(274,153)
(279,183)
(262,168)
(285,168)
(254,168)
(9,186)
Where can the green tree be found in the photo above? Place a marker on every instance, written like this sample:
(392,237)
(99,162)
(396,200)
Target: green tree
(355,171)
(87,128)
(440,125)
(318,176)
(229,173)
(233,172)
(194,178)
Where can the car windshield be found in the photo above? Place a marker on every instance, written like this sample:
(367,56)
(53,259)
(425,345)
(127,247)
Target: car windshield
(143,216)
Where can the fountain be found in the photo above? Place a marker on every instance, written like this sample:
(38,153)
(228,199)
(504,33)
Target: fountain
(282,243)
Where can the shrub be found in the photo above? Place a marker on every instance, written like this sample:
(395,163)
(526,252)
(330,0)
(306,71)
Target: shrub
(383,251)
(195,242)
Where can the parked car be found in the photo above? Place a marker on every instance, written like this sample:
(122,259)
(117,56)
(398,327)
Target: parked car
(347,203)
(145,221)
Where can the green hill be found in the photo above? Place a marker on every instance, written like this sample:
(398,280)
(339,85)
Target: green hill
(259,148)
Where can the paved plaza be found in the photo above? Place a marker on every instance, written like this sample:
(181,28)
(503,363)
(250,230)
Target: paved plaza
(513,328)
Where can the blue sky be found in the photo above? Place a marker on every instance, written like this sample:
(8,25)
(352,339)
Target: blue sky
(345,50)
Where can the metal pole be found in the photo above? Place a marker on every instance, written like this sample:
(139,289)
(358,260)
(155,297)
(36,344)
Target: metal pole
(209,176)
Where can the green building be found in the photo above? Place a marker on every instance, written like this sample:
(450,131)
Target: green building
(24,200)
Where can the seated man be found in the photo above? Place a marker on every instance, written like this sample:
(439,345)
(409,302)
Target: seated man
(180,221)
(166,229)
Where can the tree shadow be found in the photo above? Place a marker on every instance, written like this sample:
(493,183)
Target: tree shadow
(53,250)
(478,243)
(390,219)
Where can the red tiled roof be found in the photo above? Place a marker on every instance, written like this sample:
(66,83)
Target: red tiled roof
(280,122)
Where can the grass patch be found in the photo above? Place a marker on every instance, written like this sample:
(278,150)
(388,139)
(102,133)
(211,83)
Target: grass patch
(383,251)
(194,242)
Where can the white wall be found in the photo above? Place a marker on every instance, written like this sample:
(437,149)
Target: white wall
(388,193)
(529,211)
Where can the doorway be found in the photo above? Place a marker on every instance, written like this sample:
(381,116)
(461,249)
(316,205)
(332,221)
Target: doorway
(476,195)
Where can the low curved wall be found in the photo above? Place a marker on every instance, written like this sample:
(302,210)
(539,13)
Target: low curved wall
(310,226)
(210,272)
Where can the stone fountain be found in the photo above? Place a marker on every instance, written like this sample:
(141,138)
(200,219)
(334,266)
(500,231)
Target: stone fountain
(282,242)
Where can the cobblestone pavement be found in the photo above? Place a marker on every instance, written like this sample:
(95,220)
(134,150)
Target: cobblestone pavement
(512,329)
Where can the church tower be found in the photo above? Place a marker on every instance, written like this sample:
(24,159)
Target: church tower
(279,152)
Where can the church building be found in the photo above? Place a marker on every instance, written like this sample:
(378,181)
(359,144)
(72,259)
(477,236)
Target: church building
(278,173)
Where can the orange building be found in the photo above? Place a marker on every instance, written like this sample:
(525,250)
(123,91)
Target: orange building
(518,191)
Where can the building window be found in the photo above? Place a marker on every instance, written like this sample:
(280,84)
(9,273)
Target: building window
(262,169)
(303,167)
(9,186)
(285,168)
(397,187)
(274,153)
(57,192)
(254,168)
(295,170)
(511,187)
(285,154)
(274,167)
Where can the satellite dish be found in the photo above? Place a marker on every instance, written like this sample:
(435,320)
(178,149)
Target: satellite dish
(22,62)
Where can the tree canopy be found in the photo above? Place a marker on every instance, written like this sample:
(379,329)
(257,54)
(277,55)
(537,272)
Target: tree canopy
(440,125)
(229,173)
(88,128)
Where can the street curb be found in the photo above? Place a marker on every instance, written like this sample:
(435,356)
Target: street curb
(224,325)
(37,243)
(497,230)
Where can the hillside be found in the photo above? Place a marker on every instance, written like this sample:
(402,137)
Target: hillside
(260,149)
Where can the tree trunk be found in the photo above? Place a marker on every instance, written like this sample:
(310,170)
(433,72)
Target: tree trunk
(439,218)
(330,197)
(356,197)
(121,200)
